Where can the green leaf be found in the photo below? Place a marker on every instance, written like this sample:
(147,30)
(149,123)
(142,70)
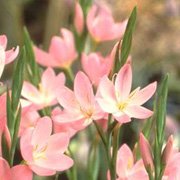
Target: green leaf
(160,116)
(10,116)
(18,80)
(161,109)
(127,39)
(31,65)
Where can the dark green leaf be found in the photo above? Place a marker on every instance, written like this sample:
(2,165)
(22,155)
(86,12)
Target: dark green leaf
(31,65)
(18,80)
(127,39)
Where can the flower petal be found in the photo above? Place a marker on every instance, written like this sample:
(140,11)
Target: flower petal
(21,172)
(106,90)
(83,91)
(144,94)
(57,143)
(138,112)
(42,131)
(44,59)
(123,82)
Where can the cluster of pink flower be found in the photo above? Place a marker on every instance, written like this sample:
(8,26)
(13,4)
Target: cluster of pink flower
(44,140)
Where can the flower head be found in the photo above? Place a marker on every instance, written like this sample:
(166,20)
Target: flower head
(45,95)
(80,104)
(43,152)
(117,99)
(61,51)
(101,24)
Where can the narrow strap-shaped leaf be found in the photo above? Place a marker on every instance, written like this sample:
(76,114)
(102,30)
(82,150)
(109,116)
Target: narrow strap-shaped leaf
(160,115)
(127,39)
(18,80)
(31,65)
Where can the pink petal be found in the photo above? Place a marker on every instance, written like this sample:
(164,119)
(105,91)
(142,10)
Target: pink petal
(106,106)
(69,40)
(68,116)
(11,54)
(90,17)
(106,90)
(30,92)
(67,99)
(2,60)
(138,112)
(79,18)
(44,59)
(42,131)
(145,150)
(144,94)
(125,161)
(57,143)
(58,50)
(122,118)
(4,169)
(123,82)
(3,41)
(26,146)
(58,162)
(83,90)
(21,172)
(40,171)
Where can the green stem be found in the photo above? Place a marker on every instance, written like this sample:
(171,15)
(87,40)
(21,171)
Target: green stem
(70,73)
(115,150)
(103,138)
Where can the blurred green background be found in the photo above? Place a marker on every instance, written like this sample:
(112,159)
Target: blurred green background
(156,41)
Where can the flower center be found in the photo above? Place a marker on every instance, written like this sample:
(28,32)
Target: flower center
(39,153)
(122,105)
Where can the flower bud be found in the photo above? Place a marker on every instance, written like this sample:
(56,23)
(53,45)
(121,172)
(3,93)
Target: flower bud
(146,152)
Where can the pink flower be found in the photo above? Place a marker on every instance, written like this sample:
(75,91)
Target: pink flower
(95,66)
(118,100)
(20,172)
(145,150)
(78,18)
(45,95)
(6,56)
(126,168)
(61,53)
(80,104)
(43,152)
(101,24)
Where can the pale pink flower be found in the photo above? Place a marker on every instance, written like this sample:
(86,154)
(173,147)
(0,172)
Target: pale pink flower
(118,100)
(20,172)
(126,168)
(78,18)
(96,66)
(61,53)
(43,152)
(80,104)
(101,24)
(146,153)
(44,95)
(6,56)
